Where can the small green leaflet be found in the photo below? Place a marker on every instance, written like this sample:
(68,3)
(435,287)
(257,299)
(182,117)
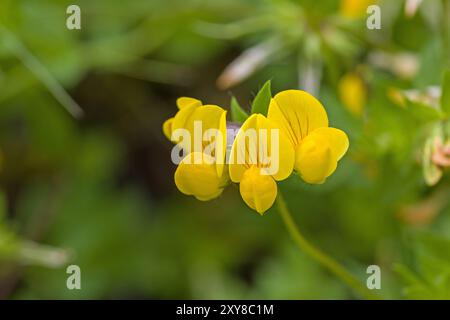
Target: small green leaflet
(237,113)
(262,100)
(423,104)
(445,97)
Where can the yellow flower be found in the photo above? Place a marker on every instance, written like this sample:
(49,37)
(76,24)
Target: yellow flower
(200,179)
(260,155)
(353,93)
(355,8)
(186,106)
(317,147)
(201,173)
(294,136)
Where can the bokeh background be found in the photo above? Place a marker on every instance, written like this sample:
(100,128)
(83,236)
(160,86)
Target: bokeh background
(97,190)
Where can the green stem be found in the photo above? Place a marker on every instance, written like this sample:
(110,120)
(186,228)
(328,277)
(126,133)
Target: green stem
(318,255)
(37,68)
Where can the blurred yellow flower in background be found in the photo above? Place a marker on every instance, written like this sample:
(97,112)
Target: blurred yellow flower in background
(353,93)
(355,8)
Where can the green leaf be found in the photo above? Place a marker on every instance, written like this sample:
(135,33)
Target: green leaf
(445,97)
(424,113)
(261,102)
(237,113)
(423,104)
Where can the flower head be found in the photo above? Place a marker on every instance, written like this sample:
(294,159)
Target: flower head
(261,154)
(201,171)
(317,147)
(293,137)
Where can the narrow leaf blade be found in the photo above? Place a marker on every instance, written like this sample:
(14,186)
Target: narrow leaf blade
(237,113)
(262,100)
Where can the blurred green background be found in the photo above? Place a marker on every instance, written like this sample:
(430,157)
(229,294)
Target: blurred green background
(97,190)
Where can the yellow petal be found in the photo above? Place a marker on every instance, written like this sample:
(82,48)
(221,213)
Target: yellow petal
(187,106)
(167,128)
(314,159)
(353,93)
(197,121)
(187,101)
(262,144)
(199,179)
(258,191)
(213,120)
(181,117)
(221,150)
(210,116)
(241,158)
(297,113)
(336,138)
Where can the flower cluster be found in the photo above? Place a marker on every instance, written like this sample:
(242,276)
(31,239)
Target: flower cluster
(296,139)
